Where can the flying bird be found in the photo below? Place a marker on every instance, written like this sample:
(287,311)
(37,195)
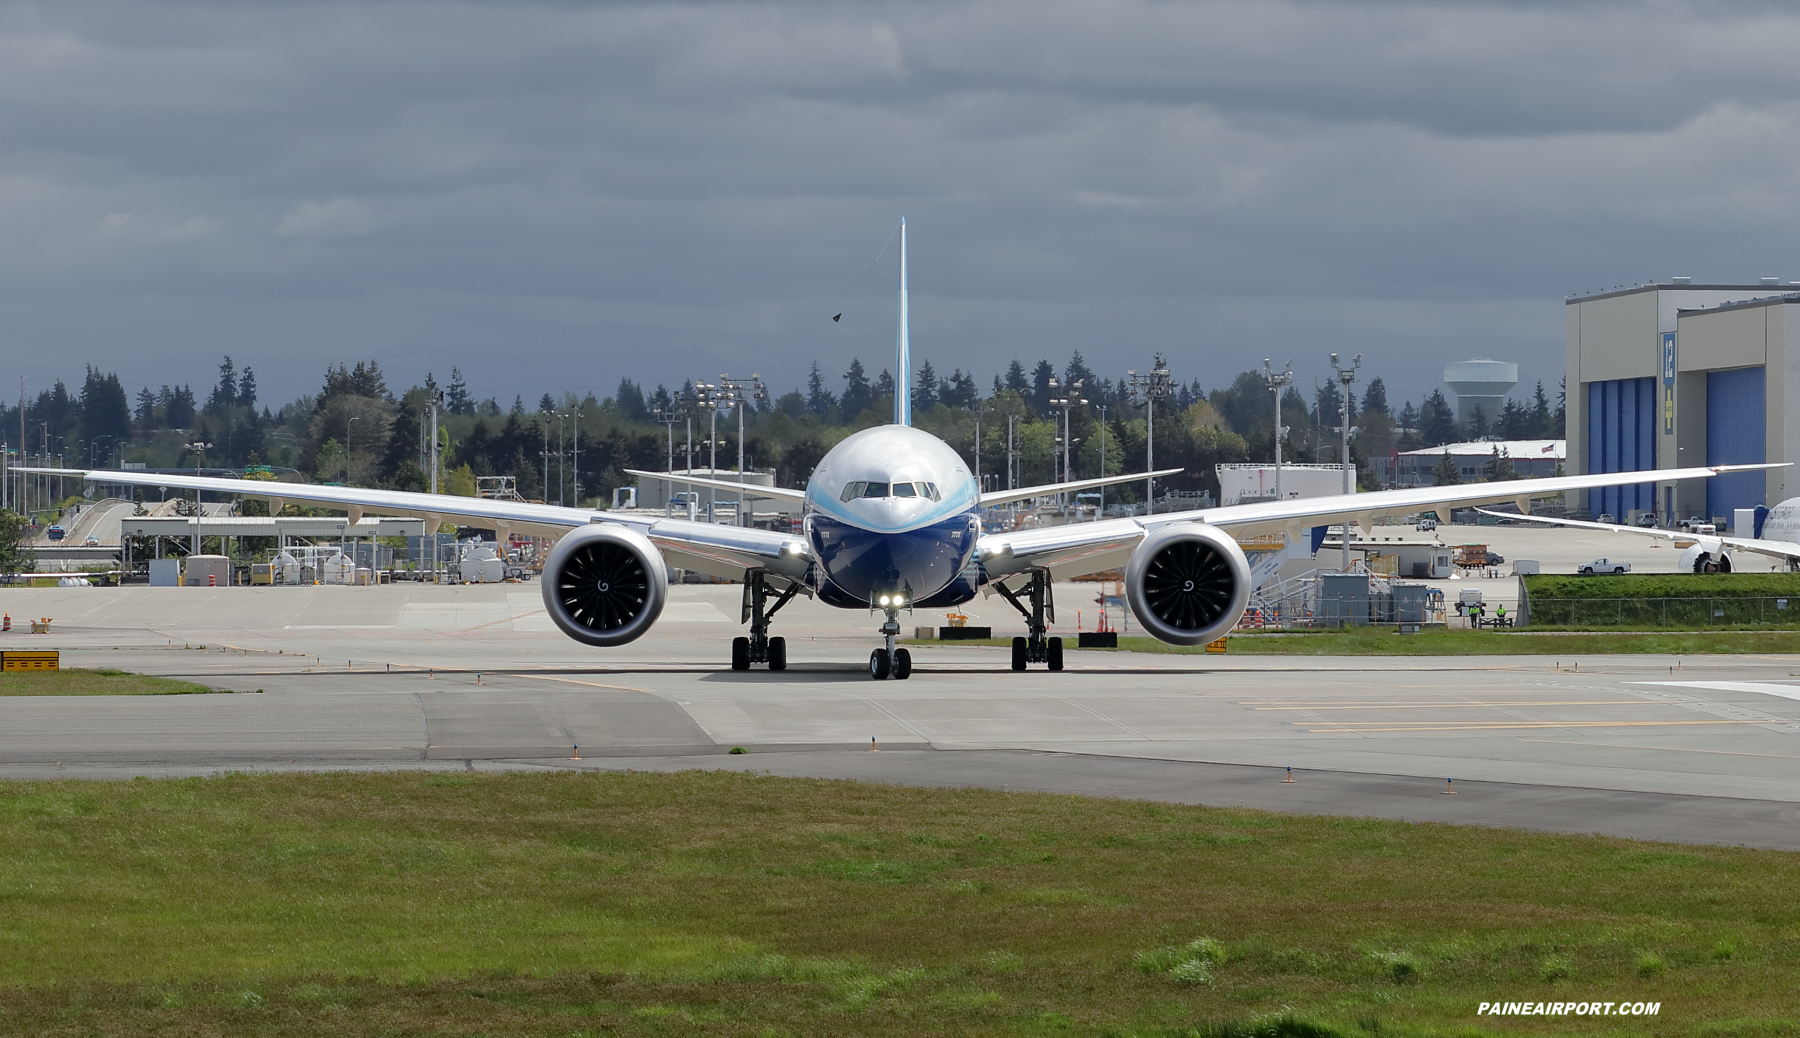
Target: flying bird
(834,320)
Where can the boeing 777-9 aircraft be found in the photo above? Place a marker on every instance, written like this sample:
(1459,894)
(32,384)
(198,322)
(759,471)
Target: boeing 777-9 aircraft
(892,521)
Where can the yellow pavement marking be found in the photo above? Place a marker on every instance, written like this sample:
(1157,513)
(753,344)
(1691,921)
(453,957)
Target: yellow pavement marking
(1353,727)
(577,681)
(1660,748)
(1436,706)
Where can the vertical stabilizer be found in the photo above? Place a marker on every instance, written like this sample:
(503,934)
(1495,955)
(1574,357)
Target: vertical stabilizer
(903,348)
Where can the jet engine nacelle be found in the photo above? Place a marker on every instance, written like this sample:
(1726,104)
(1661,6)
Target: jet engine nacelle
(605,584)
(1705,557)
(1188,583)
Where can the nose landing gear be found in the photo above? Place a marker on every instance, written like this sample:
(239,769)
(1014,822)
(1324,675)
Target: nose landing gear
(888,661)
(1036,647)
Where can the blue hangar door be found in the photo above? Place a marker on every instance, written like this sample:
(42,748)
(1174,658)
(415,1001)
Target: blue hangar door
(1736,434)
(1621,437)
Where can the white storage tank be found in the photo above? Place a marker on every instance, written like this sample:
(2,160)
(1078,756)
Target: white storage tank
(337,569)
(481,565)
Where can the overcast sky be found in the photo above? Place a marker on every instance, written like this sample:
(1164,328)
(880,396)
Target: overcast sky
(553,195)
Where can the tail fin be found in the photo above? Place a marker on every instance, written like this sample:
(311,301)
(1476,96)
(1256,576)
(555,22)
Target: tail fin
(903,362)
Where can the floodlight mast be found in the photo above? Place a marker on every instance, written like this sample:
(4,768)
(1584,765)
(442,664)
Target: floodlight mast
(706,398)
(1157,385)
(669,416)
(737,393)
(1071,398)
(1278,380)
(1345,377)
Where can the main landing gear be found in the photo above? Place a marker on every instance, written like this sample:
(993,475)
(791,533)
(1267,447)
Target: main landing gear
(1037,648)
(889,662)
(759,647)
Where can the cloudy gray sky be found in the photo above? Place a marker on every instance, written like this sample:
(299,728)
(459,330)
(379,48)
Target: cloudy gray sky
(551,195)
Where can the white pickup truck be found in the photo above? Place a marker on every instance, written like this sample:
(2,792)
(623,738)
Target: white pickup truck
(1603,565)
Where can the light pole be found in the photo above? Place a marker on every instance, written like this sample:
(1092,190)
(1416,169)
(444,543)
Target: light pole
(1157,385)
(1345,377)
(1071,398)
(1278,380)
(437,401)
(669,416)
(349,443)
(978,410)
(545,454)
(739,393)
(1101,514)
(200,449)
(706,398)
(562,456)
(1009,450)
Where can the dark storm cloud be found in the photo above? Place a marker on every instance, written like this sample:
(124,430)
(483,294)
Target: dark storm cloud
(554,195)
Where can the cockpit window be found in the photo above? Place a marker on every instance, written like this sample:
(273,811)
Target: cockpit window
(864,488)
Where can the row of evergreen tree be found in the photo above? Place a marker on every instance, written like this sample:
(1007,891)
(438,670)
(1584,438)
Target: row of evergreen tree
(357,429)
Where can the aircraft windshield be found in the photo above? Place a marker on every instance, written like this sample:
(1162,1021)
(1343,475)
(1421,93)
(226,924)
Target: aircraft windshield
(866,488)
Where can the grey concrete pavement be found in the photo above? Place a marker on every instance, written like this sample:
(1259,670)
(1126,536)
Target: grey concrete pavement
(1702,748)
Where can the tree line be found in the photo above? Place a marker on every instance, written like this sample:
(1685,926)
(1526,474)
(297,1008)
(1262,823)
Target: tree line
(570,447)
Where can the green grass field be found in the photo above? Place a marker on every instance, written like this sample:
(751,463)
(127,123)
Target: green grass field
(728,904)
(1664,585)
(102,682)
(1369,641)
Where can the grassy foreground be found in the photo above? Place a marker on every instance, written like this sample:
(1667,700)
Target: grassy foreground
(102,682)
(729,904)
(1369,641)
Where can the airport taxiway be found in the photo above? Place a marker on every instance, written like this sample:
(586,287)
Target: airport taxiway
(1700,748)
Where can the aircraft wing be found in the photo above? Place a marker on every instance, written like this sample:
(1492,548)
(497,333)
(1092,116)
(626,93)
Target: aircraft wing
(723,551)
(1000,497)
(1294,516)
(1077,548)
(1788,550)
(749,489)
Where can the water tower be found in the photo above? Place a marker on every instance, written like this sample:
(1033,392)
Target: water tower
(1482,382)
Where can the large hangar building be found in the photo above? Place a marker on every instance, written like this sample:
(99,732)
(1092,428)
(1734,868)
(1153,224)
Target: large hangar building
(1675,375)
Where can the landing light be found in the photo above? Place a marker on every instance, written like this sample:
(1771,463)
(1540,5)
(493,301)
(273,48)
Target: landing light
(884,600)
(899,599)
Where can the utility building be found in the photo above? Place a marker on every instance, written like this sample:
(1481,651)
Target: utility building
(1679,375)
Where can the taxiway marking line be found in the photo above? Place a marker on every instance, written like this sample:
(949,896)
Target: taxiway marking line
(1659,749)
(1349,726)
(1440,706)
(490,623)
(578,681)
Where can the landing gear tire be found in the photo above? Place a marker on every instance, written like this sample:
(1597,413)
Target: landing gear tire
(777,653)
(902,664)
(879,664)
(740,654)
(1020,650)
(1053,654)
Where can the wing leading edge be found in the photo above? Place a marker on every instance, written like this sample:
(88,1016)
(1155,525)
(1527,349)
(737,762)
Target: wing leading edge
(1078,548)
(722,551)
(1788,550)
